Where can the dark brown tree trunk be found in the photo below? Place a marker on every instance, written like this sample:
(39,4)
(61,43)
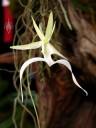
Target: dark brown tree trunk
(70,108)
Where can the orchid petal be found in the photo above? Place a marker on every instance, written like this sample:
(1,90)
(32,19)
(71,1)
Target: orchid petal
(33,45)
(49,26)
(41,36)
(67,64)
(24,66)
(40,27)
(51,50)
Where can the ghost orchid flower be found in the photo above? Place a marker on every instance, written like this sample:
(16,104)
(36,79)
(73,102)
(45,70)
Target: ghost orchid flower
(47,50)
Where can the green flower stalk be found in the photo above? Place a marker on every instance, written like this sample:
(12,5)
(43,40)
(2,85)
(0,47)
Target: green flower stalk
(47,50)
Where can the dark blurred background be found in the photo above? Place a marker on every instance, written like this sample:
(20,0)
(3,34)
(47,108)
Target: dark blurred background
(70,107)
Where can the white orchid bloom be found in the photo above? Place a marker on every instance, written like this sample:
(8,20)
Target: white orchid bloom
(47,50)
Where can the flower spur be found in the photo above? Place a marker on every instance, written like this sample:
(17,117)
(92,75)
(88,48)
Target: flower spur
(47,50)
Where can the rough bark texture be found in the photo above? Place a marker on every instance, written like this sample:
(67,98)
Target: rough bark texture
(70,108)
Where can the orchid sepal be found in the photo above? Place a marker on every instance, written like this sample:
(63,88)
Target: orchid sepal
(33,45)
(49,28)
